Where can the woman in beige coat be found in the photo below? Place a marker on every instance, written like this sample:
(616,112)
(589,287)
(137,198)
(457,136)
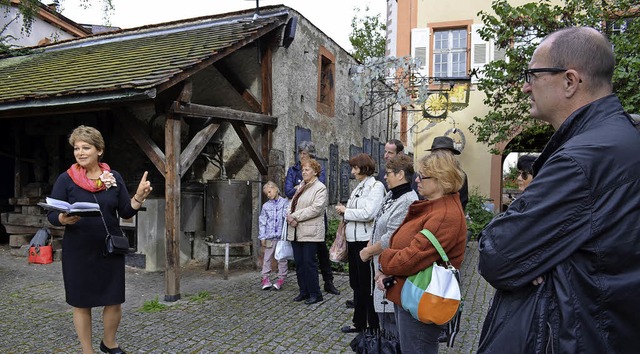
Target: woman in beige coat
(306,230)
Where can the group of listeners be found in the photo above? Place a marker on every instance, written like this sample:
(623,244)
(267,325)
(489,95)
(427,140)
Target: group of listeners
(379,241)
(564,255)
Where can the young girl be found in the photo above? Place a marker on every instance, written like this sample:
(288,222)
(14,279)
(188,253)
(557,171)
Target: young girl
(271,220)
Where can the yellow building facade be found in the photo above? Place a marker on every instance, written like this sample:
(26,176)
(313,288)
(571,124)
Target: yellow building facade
(443,36)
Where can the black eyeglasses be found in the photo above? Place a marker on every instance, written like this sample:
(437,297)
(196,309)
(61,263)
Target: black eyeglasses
(528,73)
(524,174)
(421,177)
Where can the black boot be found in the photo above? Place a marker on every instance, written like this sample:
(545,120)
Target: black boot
(330,288)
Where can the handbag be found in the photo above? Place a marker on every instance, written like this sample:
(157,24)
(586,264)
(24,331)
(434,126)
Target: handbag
(338,250)
(40,249)
(283,247)
(376,340)
(114,244)
(433,294)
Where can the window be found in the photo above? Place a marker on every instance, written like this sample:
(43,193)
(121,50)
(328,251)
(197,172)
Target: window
(419,46)
(326,83)
(450,53)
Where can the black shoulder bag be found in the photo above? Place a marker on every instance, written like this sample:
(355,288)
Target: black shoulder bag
(114,244)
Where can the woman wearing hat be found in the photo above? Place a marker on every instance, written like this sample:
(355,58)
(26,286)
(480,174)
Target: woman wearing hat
(445,143)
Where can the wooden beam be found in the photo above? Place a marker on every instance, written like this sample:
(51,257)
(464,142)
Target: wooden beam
(186,92)
(267,133)
(202,111)
(235,82)
(134,127)
(17,164)
(191,152)
(251,146)
(267,81)
(172,208)
(266,99)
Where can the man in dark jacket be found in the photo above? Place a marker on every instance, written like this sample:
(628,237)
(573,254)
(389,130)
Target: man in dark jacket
(565,256)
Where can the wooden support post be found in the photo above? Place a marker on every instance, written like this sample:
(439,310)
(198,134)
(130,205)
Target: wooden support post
(172,208)
(267,81)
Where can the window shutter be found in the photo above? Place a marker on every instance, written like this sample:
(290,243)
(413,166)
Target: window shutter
(480,53)
(419,46)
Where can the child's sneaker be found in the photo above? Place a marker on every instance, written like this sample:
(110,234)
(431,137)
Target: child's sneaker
(266,284)
(278,284)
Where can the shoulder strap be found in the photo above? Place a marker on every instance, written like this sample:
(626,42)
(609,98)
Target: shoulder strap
(436,244)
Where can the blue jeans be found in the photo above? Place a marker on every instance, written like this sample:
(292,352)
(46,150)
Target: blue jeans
(415,336)
(304,253)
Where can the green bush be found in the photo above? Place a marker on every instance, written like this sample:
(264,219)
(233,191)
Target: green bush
(509,179)
(477,216)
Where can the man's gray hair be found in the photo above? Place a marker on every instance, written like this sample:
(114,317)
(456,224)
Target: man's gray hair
(586,50)
(309,147)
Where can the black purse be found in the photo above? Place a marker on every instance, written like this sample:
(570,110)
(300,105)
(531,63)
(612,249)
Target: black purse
(114,244)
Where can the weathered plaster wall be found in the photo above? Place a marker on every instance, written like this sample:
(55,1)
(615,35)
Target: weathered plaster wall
(39,30)
(295,77)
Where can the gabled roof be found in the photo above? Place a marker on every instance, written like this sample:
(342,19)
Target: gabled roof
(50,15)
(132,63)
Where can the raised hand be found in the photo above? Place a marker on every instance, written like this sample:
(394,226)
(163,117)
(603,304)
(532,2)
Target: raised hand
(144,188)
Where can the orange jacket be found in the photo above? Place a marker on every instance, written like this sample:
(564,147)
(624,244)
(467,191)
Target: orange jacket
(410,251)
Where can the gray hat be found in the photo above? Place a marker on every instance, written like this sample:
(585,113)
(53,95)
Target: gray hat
(443,142)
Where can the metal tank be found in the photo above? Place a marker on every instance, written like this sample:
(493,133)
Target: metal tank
(192,207)
(228,211)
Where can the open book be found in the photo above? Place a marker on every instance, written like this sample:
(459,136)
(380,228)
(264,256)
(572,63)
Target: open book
(77,208)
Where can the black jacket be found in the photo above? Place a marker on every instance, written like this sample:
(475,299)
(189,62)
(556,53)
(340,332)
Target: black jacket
(578,225)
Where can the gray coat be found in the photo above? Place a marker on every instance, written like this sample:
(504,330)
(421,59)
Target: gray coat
(390,216)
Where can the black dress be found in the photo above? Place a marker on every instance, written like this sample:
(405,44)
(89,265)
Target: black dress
(92,279)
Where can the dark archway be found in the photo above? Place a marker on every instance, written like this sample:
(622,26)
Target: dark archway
(531,140)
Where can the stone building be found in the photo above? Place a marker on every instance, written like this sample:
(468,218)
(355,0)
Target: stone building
(194,102)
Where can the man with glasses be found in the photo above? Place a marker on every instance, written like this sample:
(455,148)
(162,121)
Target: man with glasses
(565,256)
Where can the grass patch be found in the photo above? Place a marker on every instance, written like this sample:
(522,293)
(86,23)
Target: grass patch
(200,297)
(151,306)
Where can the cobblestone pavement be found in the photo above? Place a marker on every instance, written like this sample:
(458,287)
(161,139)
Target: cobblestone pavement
(213,316)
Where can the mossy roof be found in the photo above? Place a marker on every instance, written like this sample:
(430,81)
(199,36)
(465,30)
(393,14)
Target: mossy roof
(127,61)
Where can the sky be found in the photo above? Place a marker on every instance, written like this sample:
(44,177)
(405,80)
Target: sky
(333,17)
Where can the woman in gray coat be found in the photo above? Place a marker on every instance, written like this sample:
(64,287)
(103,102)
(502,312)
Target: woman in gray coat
(393,211)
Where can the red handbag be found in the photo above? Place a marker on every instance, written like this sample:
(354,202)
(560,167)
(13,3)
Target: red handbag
(41,254)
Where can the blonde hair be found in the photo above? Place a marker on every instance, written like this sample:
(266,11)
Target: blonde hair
(89,135)
(271,184)
(445,169)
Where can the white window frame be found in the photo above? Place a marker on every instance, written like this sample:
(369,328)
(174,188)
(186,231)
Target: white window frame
(454,52)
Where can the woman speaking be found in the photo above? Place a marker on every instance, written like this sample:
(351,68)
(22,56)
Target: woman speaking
(92,278)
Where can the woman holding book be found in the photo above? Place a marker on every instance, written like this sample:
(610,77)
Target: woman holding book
(91,278)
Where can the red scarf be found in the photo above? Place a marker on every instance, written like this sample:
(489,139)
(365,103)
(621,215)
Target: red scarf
(79,176)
